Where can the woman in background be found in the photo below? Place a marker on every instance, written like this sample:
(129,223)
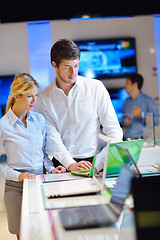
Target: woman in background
(22,135)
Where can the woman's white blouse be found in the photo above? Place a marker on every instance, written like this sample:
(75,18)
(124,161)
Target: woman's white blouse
(24,147)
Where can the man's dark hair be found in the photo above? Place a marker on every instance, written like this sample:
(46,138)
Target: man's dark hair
(64,49)
(137,78)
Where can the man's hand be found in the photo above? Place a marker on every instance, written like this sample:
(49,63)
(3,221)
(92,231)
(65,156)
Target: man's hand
(26,175)
(80,166)
(59,169)
(127,122)
(137,111)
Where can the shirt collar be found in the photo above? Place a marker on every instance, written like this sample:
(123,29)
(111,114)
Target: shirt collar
(78,81)
(13,118)
(30,116)
(138,96)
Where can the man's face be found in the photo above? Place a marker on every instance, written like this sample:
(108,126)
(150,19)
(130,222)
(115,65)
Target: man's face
(128,86)
(67,70)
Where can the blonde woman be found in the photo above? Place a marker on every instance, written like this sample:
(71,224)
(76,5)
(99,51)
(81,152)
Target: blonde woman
(22,135)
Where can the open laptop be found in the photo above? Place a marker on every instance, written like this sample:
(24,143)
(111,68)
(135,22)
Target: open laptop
(100,215)
(83,186)
(127,159)
(73,175)
(115,161)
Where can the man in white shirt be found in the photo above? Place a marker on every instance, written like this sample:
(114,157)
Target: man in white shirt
(74,108)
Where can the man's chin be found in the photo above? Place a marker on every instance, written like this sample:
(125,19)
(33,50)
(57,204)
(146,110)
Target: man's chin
(31,108)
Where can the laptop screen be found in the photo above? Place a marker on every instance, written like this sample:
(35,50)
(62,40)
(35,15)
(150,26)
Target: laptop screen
(100,160)
(117,159)
(127,159)
(123,186)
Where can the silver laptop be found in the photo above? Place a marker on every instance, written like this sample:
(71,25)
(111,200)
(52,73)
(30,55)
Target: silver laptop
(83,186)
(100,215)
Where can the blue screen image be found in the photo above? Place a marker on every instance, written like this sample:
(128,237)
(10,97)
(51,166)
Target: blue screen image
(104,59)
(5,83)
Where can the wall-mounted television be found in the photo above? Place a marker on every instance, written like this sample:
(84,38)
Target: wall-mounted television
(107,58)
(5,83)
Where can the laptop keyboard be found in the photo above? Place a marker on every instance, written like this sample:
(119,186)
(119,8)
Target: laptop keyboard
(67,188)
(86,217)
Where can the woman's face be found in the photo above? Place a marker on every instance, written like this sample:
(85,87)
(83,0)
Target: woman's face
(27,101)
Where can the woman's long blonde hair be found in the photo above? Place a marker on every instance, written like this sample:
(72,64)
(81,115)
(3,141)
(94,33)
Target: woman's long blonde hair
(21,84)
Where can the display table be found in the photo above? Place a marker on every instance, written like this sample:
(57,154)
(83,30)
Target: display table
(37,223)
(41,224)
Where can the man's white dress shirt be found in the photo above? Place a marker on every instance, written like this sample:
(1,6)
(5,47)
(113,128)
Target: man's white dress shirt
(73,121)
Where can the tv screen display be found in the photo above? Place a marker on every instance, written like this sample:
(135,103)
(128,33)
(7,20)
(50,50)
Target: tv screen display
(110,58)
(5,83)
(118,96)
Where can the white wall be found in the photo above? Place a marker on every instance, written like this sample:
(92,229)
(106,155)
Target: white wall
(14,54)
(139,27)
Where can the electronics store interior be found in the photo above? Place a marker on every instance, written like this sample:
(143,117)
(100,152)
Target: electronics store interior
(90,168)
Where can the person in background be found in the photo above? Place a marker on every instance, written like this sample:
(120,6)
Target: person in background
(22,135)
(135,108)
(74,107)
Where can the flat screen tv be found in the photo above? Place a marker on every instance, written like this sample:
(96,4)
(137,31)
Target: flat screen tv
(107,58)
(5,83)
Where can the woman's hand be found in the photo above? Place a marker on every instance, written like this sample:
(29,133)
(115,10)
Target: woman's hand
(59,169)
(26,175)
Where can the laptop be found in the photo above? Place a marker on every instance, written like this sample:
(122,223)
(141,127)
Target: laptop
(84,186)
(127,159)
(115,161)
(100,215)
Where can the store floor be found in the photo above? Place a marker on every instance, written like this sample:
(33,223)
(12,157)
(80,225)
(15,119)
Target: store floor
(4,233)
